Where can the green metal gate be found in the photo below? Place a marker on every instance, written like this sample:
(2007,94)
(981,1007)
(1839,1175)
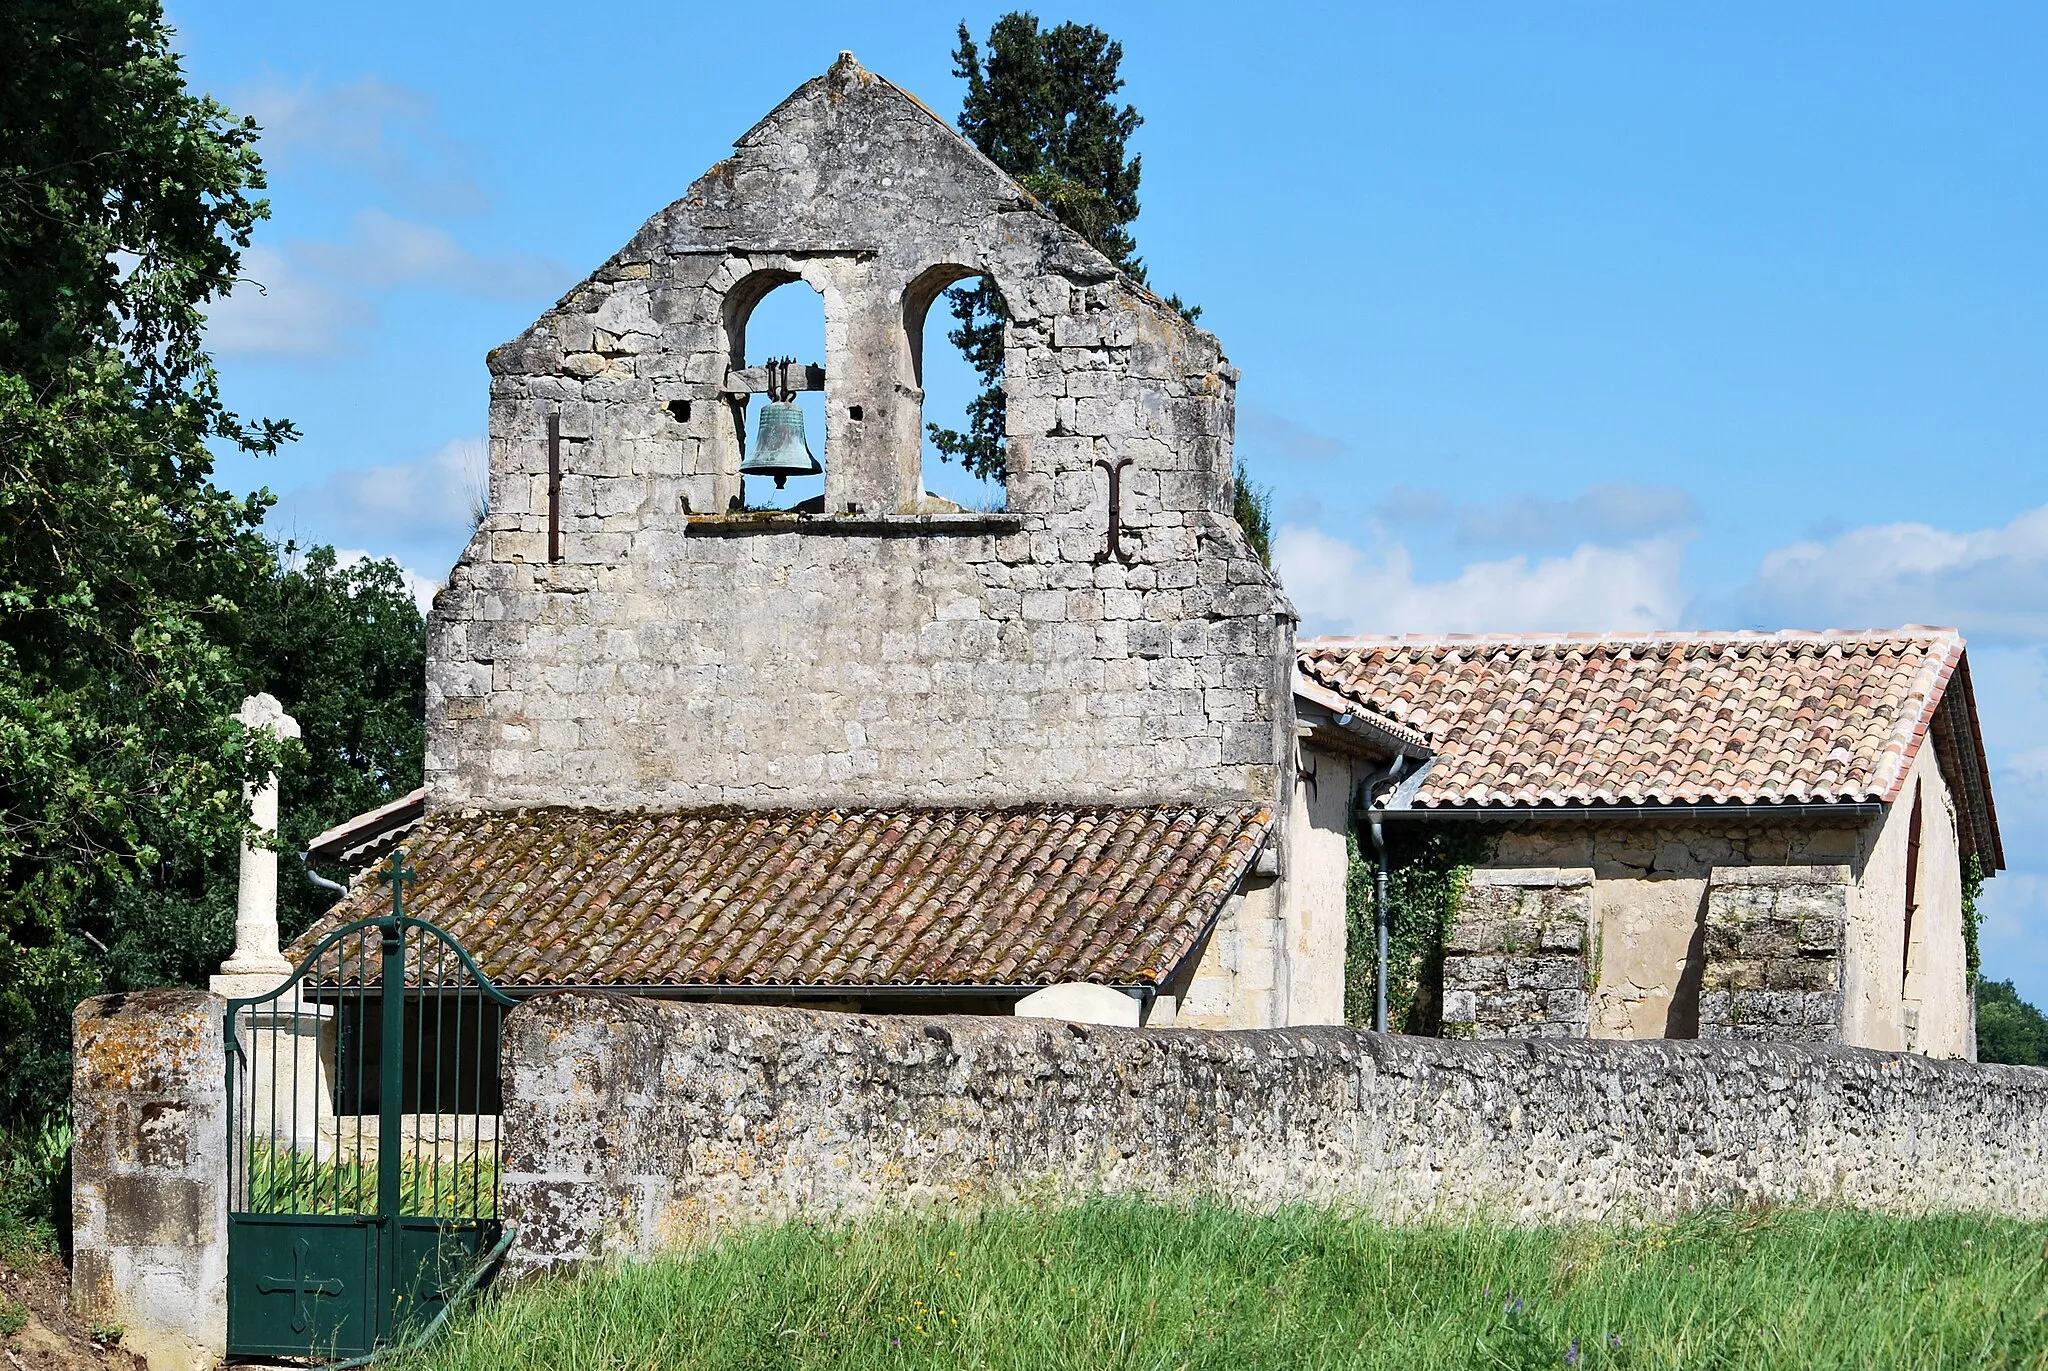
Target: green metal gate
(363,1100)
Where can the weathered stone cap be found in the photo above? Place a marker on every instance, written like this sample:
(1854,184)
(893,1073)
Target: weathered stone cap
(1675,718)
(873,898)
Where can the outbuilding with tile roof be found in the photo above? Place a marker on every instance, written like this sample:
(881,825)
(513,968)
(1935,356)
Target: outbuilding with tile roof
(1771,835)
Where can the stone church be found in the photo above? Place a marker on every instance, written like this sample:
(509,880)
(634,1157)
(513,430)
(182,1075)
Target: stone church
(1067,758)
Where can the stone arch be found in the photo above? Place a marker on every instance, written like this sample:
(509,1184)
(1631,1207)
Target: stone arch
(919,295)
(755,283)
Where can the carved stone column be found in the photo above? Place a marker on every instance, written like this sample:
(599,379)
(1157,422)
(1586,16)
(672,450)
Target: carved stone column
(256,944)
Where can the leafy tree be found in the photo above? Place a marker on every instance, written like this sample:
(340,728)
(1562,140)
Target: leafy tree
(2009,1030)
(1042,106)
(1253,508)
(125,202)
(344,649)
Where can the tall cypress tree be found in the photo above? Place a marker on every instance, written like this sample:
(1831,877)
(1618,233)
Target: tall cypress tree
(1042,106)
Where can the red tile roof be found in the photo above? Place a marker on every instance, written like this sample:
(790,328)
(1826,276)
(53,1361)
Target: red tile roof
(941,897)
(1663,718)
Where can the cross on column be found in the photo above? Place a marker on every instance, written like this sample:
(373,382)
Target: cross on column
(300,1287)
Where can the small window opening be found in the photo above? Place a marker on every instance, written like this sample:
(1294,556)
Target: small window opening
(1912,888)
(853,413)
(679,410)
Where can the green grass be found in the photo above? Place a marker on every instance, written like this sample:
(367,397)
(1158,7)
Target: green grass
(34,1187)
(1113,1285)
(286,1181)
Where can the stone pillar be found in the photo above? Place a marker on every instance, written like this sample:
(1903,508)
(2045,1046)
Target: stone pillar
(256,951)
(1774,953)
(149,1186)
(288,1045)
(1515,959)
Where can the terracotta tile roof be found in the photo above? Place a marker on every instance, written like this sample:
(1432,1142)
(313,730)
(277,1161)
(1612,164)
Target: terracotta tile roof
(944,897)
(367,837)
(1663,718)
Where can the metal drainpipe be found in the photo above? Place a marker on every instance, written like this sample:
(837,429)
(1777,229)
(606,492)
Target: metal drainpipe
(306,861)
(1367,793)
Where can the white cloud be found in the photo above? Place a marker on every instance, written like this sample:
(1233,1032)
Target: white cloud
(419,512)
(387,130)
(383,250)
(1273,434)
(1342,588)
(1612,512)
(2015,911)
(279,310)
(308,298)
(1991,583)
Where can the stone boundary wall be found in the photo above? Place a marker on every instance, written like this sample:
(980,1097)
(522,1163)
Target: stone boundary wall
(634,1126)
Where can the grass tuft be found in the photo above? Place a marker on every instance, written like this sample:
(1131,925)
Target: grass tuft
(1110,1285)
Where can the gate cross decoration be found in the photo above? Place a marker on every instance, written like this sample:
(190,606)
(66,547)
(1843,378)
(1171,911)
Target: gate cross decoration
(301,1287)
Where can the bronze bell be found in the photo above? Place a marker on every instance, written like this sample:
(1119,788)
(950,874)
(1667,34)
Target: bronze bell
(780,448)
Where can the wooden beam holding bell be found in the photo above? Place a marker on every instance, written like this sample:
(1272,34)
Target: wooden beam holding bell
(761,380)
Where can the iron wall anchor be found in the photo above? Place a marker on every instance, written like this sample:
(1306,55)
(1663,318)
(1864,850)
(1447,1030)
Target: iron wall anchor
(1114,546)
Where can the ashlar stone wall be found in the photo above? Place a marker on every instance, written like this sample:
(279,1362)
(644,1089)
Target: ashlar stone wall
(635,1126)
(1771,929)
(630,637)
(1515,958)
(149,1187)
(1774,953)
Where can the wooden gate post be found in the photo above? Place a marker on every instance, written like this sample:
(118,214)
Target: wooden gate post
(149,1169)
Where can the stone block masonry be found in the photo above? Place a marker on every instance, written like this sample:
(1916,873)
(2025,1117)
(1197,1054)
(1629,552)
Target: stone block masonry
(149,1186)
(682,652)
(1774,953)
(1515,959)
(637,1126)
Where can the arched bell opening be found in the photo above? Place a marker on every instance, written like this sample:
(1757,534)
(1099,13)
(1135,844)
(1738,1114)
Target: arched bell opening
(778,425)
(963,461)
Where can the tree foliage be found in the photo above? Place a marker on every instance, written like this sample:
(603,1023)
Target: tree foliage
(1252,506)
(2009,1030)
(1042,106)
(1428,866)
(139,601)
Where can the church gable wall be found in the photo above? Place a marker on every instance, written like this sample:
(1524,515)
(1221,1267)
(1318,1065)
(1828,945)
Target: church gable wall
(623,635)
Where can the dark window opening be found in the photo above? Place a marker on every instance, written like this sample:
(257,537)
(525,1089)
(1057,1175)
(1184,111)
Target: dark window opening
(1912,888)
(853,412)
(680,409)
(449,1061)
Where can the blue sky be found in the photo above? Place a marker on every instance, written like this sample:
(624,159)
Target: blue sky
(1568,316)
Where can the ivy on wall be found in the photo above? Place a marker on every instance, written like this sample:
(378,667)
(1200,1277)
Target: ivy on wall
(1973,885)
(1427,867)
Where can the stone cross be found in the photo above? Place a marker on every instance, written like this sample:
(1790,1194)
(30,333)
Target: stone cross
(256,950)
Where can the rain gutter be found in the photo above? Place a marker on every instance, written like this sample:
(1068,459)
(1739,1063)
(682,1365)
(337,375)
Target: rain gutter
(1502,814)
